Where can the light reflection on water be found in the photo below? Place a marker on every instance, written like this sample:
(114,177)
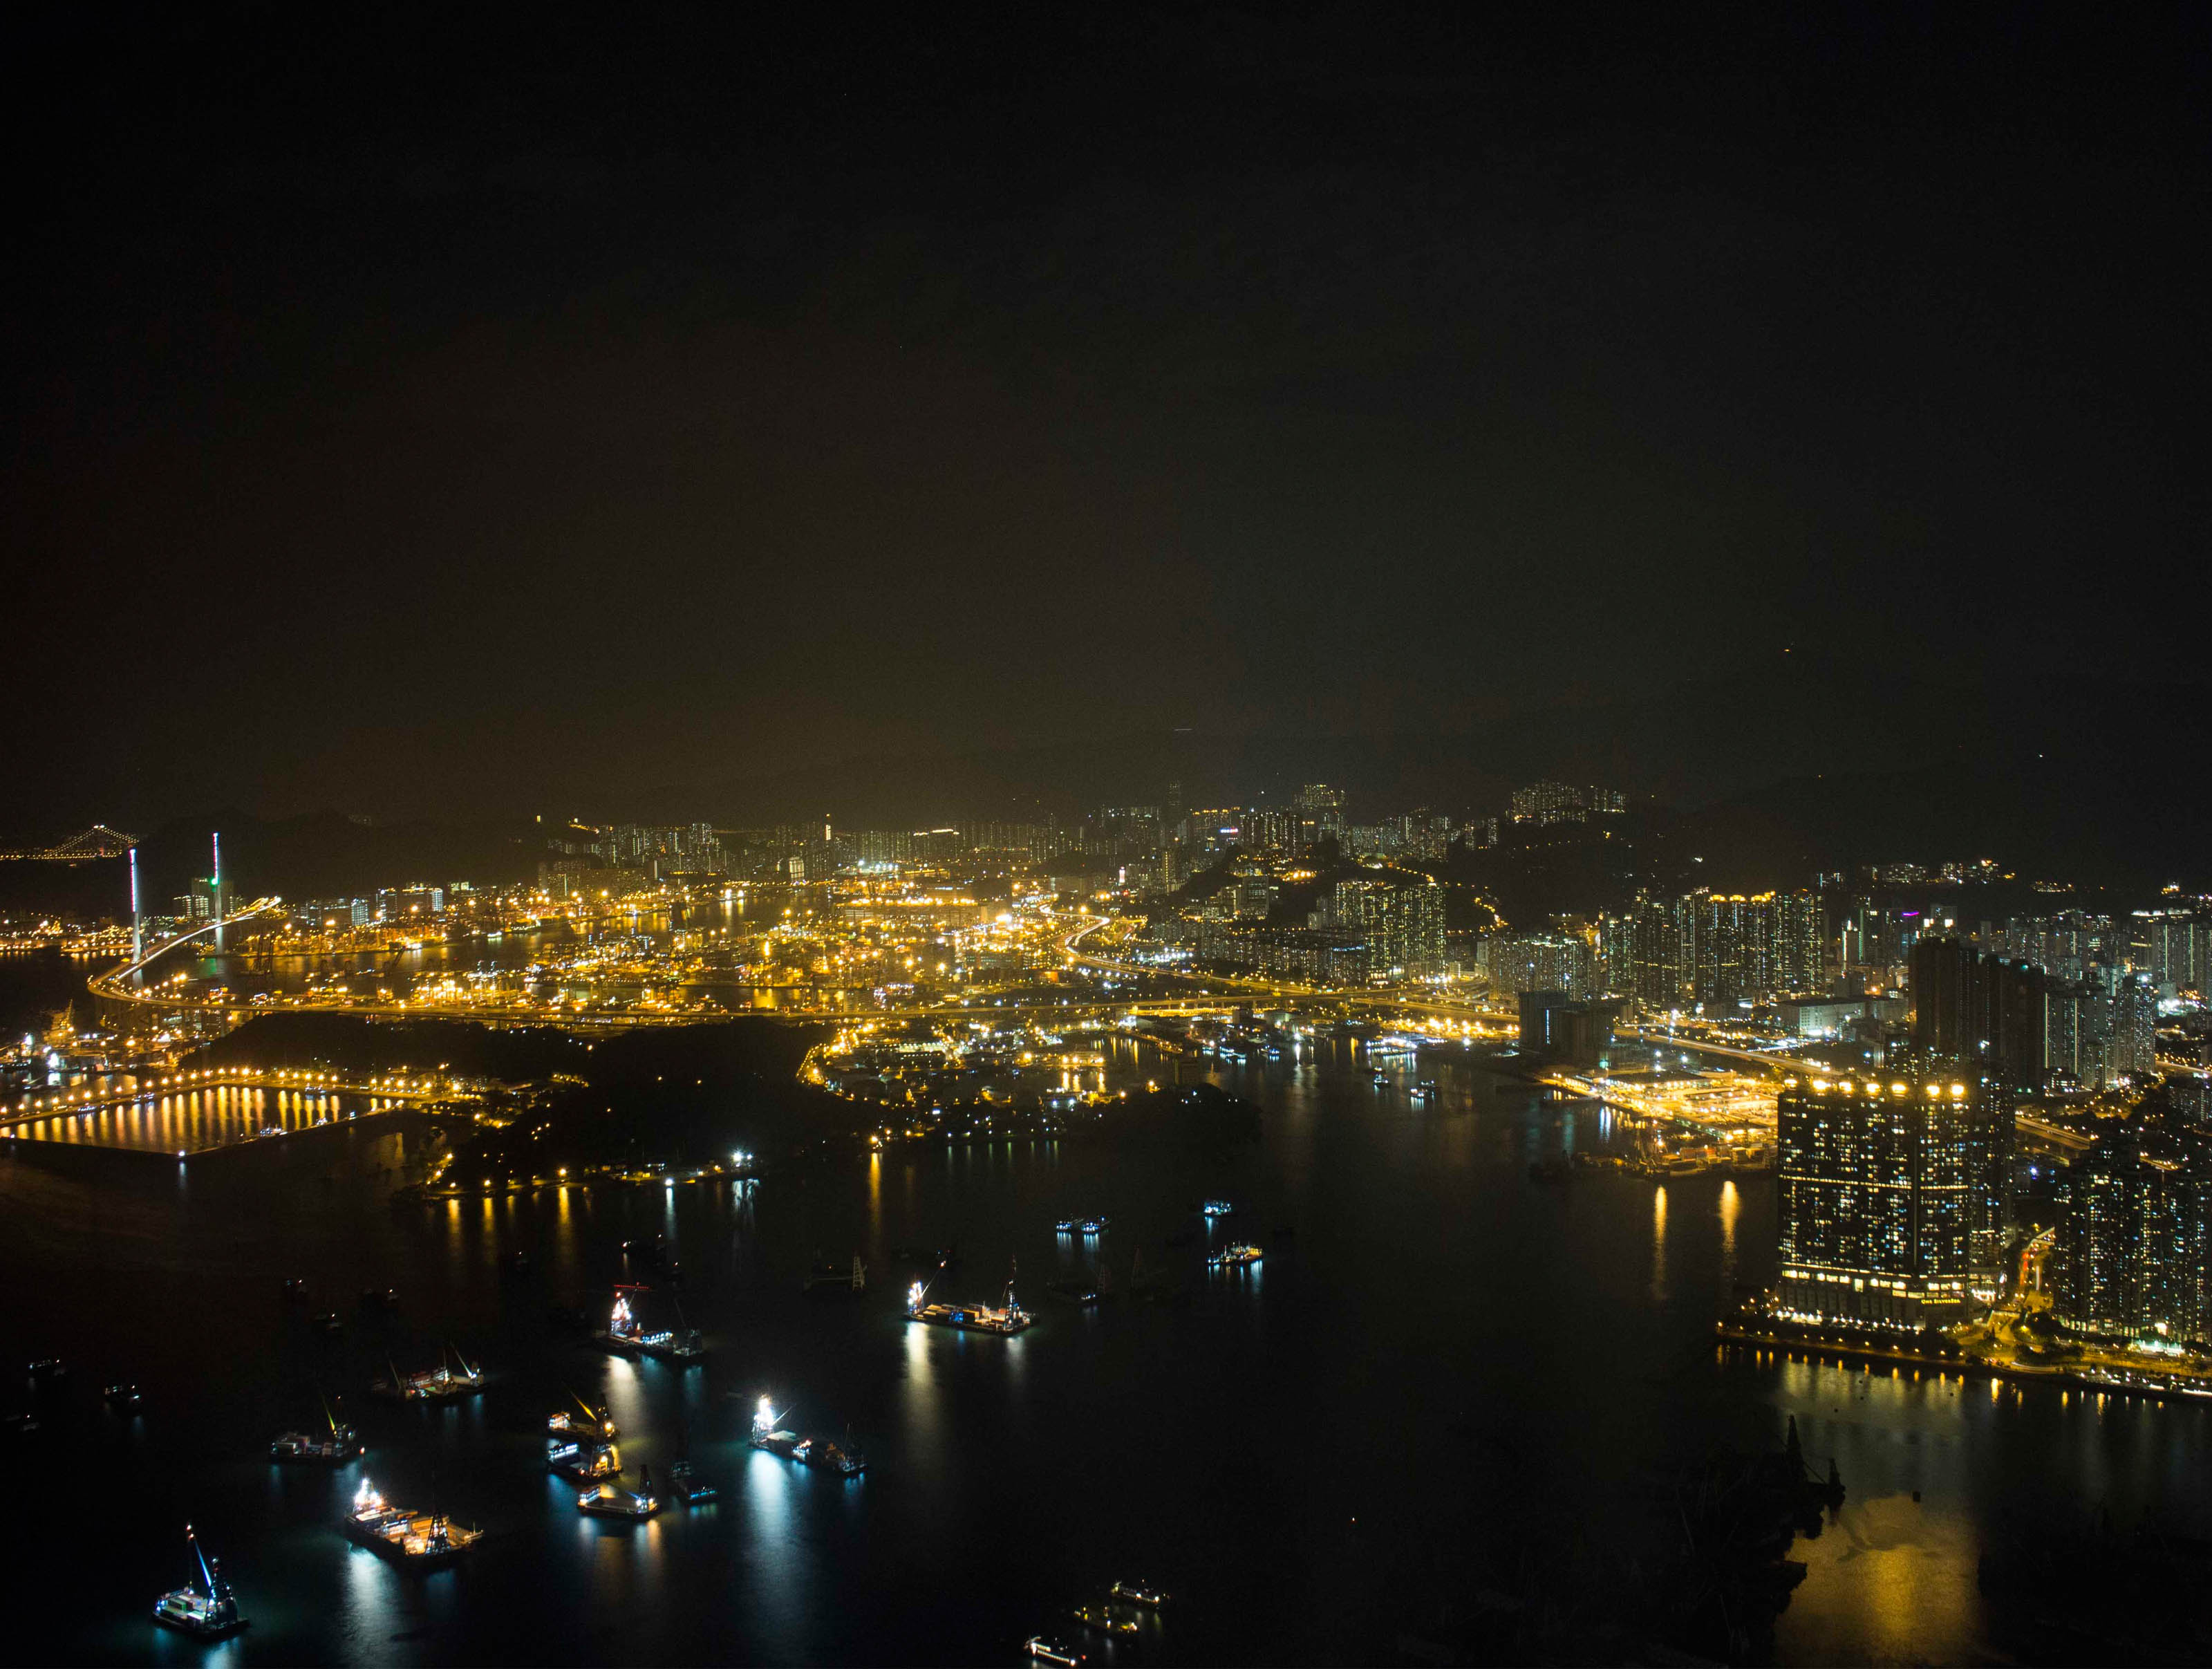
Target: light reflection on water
(1432,1287)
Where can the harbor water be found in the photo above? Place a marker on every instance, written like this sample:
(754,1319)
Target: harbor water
(1446,1379)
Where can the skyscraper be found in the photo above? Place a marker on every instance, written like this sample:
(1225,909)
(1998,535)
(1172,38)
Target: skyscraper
(1878,1198)
(1984,1012)
(2132,1244)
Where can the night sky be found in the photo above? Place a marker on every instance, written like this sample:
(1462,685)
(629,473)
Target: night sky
(455,416)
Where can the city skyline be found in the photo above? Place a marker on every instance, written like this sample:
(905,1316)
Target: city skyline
(1106,837)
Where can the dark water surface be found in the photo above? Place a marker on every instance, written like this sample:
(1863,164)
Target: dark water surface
(1449,1374)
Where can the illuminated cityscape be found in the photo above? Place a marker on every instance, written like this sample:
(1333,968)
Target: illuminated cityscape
(1176,836)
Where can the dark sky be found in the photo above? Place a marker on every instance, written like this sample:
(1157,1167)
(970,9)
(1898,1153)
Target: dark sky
(424,414)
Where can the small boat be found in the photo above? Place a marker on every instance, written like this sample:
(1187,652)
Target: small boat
(207,1609)
(1102,1618)
(1041,1650)
(1086,1226)
(376,1298)
(1140,1594)
(1234,1257)
(418,1541)
(296,1287)
(47,1368)
(327,1322)
(610,1501)
(1076,1292)
(120,1398)
(1218,1208)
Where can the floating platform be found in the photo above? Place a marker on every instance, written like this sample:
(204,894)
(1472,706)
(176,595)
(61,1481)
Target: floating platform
(583,1462)
(683,1349)
(973,1318)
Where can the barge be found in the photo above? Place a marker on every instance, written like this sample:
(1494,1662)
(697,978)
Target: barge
(205,1610)
(448,1382)
(1007,1317)
(609,1501)
(625,1336)
(416,1541)
(844,1459)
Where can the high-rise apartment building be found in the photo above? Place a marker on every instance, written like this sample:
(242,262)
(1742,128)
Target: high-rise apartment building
(1987,1013)
(1720,950)
(1540,962)
(2134,1238)
(1400,919)
(1882,1190)
(2134,1050)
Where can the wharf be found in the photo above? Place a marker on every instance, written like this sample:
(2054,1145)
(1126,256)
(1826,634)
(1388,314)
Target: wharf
(2151,1384)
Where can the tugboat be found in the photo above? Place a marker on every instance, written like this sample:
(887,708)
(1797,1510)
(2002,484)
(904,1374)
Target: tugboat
(416,1541)
(207,1611)
(607,1502)
(341,1444)
(442,1384)
(592,1425)
(625,1336)
(1234,1257)
(845,1459)
(1008,1318)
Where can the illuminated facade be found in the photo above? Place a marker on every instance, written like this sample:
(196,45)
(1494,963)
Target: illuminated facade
(1879,1197)
(2132,1246)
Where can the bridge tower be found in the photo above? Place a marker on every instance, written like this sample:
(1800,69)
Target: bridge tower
(137,930)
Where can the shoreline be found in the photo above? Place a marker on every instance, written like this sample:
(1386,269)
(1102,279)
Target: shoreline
(2066,1379)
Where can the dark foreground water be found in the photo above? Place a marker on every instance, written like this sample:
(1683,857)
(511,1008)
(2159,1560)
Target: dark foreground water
(1449,1378)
